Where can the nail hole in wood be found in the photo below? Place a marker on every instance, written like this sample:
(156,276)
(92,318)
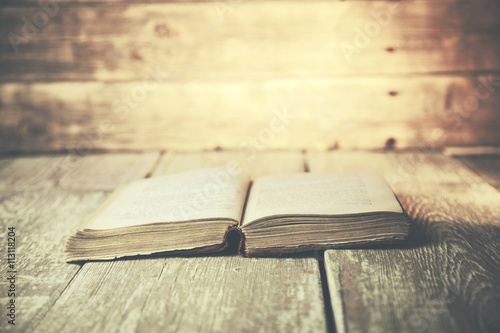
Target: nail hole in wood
(390,144)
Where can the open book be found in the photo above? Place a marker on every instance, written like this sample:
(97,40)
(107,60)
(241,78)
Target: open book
(194,212)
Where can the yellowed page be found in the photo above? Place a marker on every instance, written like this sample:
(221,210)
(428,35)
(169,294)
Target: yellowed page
(203,194)
(319,194)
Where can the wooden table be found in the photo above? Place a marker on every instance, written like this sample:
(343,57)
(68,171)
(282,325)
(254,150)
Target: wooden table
(445,279)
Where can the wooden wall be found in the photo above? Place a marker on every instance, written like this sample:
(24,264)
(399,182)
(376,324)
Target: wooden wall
(191,75)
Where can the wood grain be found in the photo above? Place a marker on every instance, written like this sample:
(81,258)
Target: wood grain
(232,293)
(26,174)
(256,164)
(250,39)
(204,293)
(319,114)
(105,171)
(447,276)
(45,212)
(487,166)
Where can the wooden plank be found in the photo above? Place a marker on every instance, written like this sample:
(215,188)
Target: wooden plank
(204,293)
(446,278)
(268,294)
(248,39)
(315,114)
(44,212)
(256,164)
(107,171)
(487,166)
(27,174)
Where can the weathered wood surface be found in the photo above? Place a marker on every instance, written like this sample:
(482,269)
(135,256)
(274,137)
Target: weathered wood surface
(446,279)
(316,114)
(487,166)
(256,164)
(205,293)
(248,39)
(38,198)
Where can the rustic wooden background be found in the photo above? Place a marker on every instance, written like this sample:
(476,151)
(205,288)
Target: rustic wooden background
(88,75)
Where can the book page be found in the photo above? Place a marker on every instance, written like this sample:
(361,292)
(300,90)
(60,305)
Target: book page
(319,194)
(204,194)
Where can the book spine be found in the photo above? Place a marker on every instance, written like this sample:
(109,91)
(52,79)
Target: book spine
(234,240)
